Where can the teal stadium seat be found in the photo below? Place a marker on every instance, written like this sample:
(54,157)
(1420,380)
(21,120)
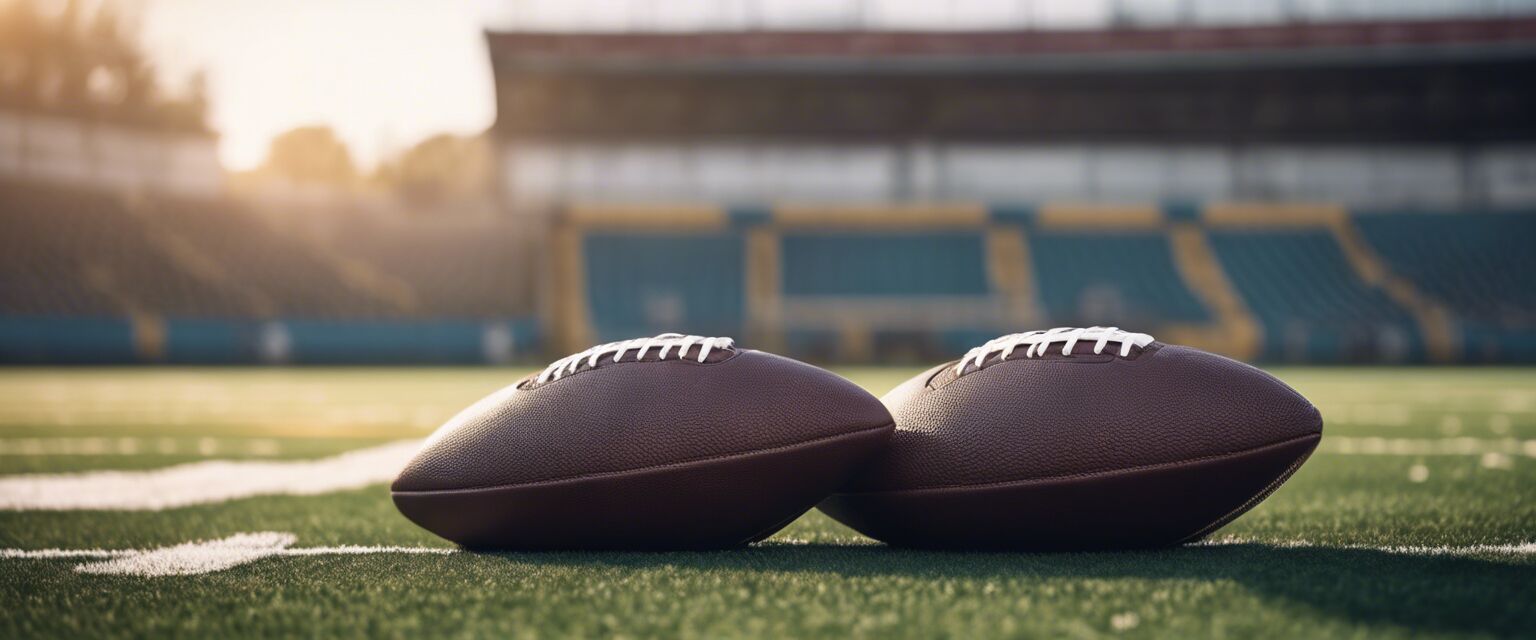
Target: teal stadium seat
(887,264)
(644,284)
(1100,278)
(937,271)
(1479,265)
(1312,305)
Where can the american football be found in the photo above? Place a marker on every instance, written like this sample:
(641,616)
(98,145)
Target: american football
(1078,439)
(393,319)
(671,442)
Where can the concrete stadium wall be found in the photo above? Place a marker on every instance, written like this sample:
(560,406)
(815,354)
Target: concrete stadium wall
(1405,177)
(56,340)
(69,151)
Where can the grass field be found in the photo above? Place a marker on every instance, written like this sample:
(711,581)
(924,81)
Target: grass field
(1416,518)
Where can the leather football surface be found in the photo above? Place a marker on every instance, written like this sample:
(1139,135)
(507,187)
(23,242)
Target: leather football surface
(644,453)
(1081,451)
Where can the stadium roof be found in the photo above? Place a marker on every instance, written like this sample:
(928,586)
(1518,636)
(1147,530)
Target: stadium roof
(1348,42)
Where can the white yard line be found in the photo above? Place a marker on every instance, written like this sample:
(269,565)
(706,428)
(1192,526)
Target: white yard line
(215,481)
(206,482)
(208,556)
(1367,446)
(1518,549)
(137,446)
(201,556)
(193,558)
(107,554)
(53,554)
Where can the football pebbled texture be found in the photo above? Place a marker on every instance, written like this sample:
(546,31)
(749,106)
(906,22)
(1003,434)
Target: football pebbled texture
(673,442)
(1077,439)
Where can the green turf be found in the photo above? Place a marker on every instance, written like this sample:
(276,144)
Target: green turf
(816,578)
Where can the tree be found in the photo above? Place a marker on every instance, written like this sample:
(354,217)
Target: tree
(77,63)
(440,169)
(23,45)
(311,154)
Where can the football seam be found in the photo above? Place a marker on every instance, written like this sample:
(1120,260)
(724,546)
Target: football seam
(1252,502)
(1085,475)
(1095,358)
(611,364)
(655,467)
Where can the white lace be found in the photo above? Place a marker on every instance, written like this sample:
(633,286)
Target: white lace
(1039,341)
(665,342)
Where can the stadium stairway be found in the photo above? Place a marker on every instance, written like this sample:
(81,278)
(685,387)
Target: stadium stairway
(822,281)
(1277,282)
(1129,265)
(1326,247)
(1011,269)
(1479,264)
(152,278)
(1236,332)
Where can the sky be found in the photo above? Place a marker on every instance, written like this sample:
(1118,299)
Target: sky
(383,73)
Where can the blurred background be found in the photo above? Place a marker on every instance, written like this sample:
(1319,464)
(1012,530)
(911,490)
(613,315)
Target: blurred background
(217,181)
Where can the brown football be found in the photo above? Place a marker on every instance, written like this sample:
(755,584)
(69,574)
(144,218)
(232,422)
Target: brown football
(1078,439)
(672,442)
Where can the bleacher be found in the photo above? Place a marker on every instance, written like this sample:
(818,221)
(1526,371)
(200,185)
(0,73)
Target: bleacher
(1126,279)
(896,264)
(79,253)
(95,277)
(922,188)
(901,294)
(1312,304)
(103,277)
(840,286)
(242,252)
(452,268)
(643,284)
(1481,264)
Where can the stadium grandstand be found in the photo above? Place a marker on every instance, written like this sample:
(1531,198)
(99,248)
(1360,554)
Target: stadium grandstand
(167,278)
(1282,183)
(1235,187)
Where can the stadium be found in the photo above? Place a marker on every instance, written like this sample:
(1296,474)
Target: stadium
(1343,194)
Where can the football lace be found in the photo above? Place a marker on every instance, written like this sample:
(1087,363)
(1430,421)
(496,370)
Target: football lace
(665,342)
(1038,341)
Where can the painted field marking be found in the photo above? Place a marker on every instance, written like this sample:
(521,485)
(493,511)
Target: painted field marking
(207,482)
(1518,549)
(208,556)
(193,558)
(216,481)
(201,556)
(133,446)
(1368,446)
